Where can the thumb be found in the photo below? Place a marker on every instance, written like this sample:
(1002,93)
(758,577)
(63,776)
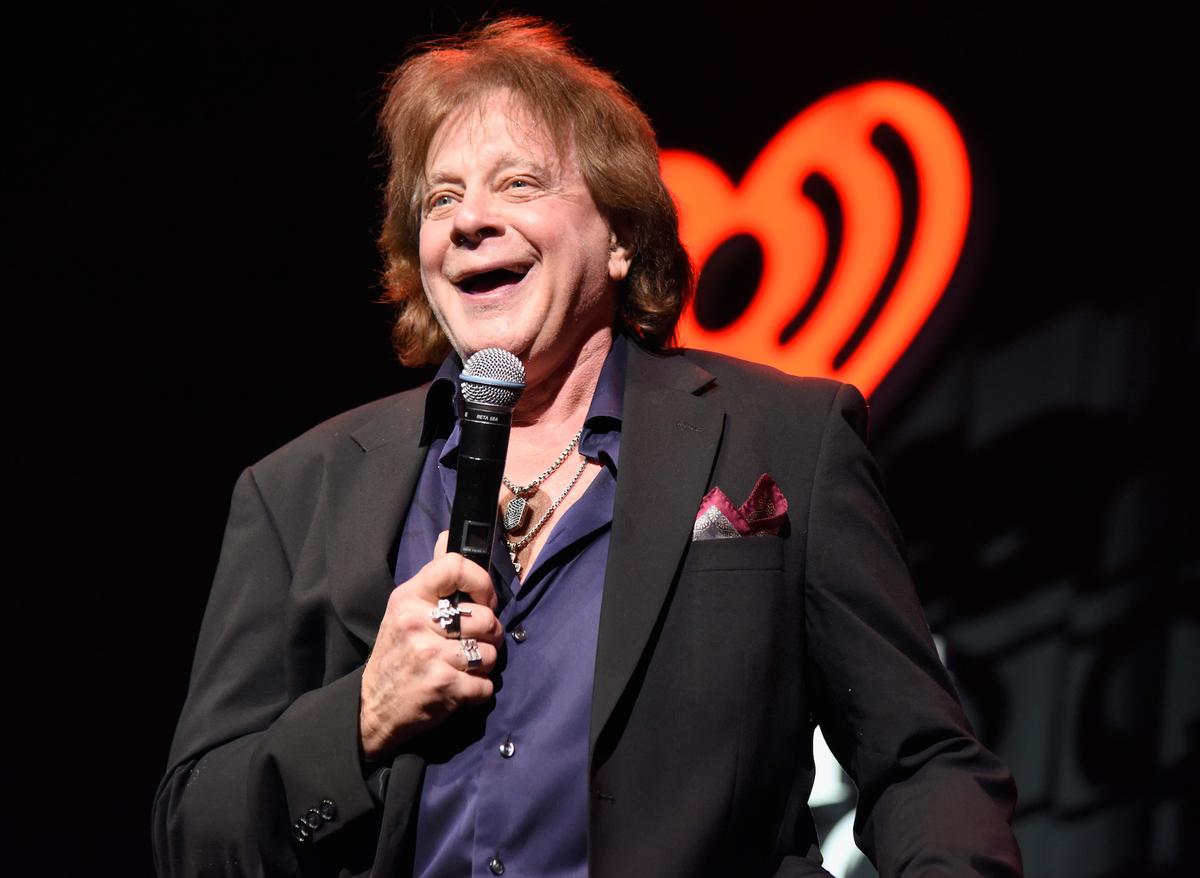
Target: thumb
(439,547)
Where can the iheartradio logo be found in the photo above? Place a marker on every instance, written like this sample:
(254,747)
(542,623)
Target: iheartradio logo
(836,246)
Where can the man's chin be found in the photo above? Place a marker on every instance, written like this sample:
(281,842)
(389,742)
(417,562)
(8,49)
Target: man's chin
(472,346)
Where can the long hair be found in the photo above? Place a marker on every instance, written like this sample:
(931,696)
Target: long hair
(578,104)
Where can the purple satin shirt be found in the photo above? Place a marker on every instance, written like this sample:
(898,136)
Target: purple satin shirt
(506,785)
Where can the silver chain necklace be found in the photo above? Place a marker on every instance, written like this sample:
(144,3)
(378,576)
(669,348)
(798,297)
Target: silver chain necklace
(515,509)
(513,548)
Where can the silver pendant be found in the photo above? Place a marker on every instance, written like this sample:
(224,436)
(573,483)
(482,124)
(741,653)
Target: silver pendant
(515,512)
(513,557)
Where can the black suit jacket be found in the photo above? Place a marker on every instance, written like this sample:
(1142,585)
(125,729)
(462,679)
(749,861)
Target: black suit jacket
(714,658)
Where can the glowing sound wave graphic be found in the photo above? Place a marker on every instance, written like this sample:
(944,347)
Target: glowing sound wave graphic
(846,281)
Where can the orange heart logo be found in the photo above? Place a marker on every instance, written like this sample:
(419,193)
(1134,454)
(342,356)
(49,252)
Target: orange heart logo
(838,243)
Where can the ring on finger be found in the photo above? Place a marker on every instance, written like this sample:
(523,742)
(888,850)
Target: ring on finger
(446,614)
(470,651)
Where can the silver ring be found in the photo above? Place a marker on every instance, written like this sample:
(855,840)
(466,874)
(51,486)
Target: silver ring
(470,651)
(446,615)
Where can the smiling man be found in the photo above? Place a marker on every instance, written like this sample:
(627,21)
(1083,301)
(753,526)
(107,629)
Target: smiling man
(639,670)
(514,253)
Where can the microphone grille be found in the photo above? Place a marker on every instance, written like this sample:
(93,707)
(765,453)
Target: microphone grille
(492,376)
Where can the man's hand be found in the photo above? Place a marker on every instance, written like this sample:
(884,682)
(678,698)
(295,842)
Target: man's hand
(417,675)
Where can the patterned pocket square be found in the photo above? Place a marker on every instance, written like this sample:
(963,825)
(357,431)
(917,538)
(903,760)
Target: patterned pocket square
(762,514)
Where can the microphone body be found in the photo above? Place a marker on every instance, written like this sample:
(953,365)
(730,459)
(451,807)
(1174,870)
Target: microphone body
(490,385)
(482,449)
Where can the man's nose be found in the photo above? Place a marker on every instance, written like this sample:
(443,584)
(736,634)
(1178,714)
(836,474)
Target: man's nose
(476,219)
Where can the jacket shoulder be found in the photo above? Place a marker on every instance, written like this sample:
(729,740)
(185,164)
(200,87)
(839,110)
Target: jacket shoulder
(370,424)
(755,381)
(310,455)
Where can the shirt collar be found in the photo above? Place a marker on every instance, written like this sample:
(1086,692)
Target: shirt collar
(609,397)
(440,400)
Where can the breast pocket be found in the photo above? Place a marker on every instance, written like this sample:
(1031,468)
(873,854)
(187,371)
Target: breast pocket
(742,553)
(736,607)
(731,590)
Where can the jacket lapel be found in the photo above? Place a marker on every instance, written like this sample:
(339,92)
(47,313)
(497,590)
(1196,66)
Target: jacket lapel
(669,439)
(367,504)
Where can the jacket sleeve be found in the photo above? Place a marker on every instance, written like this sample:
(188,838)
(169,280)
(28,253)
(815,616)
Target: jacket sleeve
(932,800)
(251,756)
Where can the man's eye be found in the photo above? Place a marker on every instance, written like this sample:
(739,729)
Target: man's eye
(441,201)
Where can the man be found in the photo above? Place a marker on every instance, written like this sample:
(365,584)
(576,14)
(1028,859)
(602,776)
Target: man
(627,696)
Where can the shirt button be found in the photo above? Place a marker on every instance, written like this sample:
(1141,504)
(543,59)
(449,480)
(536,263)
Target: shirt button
(518,634)
(507,749)
(496,865)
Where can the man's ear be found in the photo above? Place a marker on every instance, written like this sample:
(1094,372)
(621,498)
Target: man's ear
(620,256)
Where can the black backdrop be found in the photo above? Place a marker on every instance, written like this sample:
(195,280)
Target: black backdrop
(190,268)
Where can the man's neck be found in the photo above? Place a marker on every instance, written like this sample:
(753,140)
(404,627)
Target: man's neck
(554,408)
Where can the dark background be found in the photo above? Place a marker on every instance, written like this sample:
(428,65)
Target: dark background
(191,201)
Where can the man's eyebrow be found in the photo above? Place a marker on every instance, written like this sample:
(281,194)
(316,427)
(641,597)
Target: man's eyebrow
(507,161)
(437,177)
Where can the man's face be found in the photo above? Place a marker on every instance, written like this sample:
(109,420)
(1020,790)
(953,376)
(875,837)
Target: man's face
(514,253)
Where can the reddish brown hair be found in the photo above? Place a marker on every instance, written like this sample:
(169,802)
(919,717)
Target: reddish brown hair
(578,104)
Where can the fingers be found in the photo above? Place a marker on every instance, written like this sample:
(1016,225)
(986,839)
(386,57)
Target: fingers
(480,623)
(448,573)
(474,657)
(465,620)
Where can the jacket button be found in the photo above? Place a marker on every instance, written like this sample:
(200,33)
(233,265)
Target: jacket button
(328,809)
(508,748)
(496,865)
(301,832)
(519,634)
(313,818)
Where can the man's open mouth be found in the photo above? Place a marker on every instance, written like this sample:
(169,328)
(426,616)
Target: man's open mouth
(486,281)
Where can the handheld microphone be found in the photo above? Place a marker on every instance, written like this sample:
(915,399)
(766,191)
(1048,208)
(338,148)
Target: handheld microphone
(489,386)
